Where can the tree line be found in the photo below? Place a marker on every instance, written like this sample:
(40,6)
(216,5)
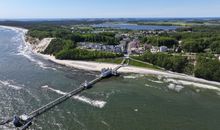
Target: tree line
(161,41)
(66,49)
(83,54)
(67,34)
(169,62)
(200,39)
(195,39)
(207,66)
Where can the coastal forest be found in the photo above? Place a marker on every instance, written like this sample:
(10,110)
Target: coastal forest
(64,46)
(201,41)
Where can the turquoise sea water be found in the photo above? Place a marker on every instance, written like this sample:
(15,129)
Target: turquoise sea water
(127,102)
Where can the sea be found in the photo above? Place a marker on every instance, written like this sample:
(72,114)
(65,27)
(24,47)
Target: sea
(126,102)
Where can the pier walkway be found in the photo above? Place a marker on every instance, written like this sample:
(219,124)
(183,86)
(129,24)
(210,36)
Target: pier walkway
(25,120)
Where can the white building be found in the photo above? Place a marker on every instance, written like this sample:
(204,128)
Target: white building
(163,49)
(154,49)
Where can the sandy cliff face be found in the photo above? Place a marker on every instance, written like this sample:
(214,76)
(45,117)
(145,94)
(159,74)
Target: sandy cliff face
(39,45)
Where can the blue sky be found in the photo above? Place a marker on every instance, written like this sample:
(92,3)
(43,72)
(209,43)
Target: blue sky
(108,8)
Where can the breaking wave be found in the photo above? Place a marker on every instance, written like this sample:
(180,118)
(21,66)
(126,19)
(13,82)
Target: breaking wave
(25,50)
(175,87)
(95,103)
(10,84)
(134,76)
(147,85)
(191,83)
(156,81)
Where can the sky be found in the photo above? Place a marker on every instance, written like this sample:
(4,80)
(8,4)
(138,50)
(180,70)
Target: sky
(28,9)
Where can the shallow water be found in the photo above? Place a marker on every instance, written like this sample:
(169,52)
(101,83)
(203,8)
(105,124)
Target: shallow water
(127,102)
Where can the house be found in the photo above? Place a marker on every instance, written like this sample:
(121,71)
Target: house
(147,46)
(135,44)
(154,49)
(163,49)
(109,48)
(118,49)
(101,47)
(123,45)
(104,48)
(141,50)
(133,50)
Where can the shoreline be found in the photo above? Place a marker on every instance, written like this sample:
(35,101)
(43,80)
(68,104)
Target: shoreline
(17,29)
(97,66)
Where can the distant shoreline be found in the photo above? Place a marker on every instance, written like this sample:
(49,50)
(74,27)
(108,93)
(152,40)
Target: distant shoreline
(23,30)
(97,66)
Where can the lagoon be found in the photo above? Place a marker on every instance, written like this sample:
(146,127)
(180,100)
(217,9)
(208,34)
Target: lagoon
(135,27)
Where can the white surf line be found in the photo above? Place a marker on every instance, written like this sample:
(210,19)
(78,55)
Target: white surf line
(155,81)
(10,85)
(16,29)
(95,103)
(194,84)
(133,76)
(106,124)
(175,87)
(25,48)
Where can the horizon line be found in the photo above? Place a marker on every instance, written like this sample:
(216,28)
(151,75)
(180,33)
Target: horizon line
(205,17)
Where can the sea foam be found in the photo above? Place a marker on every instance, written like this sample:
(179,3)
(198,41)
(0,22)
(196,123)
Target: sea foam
(10,84)
(95,103)
(193,84)
(175,87)
(25,49)
(133,76)
(156,81)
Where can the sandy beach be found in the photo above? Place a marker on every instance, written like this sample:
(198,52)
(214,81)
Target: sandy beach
(97,66)
(24,31)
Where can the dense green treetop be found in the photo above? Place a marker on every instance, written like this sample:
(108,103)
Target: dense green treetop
(68,34)
(197,39)
(82,54)
(208,68)
(161,41)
